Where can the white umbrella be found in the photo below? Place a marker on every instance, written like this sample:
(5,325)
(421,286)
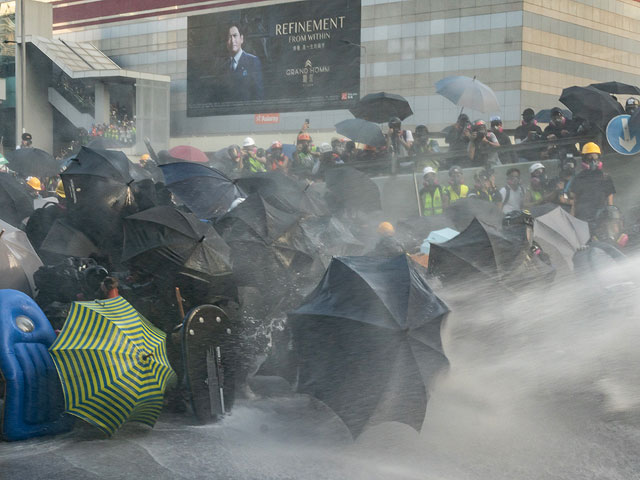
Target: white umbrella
(561,235)
(468,93)
(18,260)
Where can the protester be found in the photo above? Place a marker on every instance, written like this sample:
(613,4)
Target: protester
(456,188)
(423,148)
(305,156)
(350,152)
(506,154)
(559,128)
(26,141)
(325,161)
(483,146)
(387,245)
(458,136)
(529,133)
(538,191)
(485,188)
(338,144)
(513,194)
(399,141)
(432,195)
(592,189)
(251,160)
(276,159)
(631,105)
(562,184)
(609,227)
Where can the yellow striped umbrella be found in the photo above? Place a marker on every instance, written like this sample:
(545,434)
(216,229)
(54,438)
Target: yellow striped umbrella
(112,363)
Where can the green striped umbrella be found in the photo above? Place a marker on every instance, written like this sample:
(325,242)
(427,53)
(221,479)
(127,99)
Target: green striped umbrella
(113,364)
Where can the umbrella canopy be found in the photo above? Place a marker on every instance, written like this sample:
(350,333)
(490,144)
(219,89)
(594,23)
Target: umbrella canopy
(368,340)
(380,107)
(106,164)
(544,116)
(16,203)
(18,260)
(33,162)
(361,131)
(207,192)
(284,192)
(479,249)
(468,93)
(189,154)
(591,104)
(112,363)
(561,235)
(437,236)
(349,188)
(163,240)
(617,87)
(65,241)
(463,211)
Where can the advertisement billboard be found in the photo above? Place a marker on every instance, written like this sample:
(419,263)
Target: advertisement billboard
(300,56)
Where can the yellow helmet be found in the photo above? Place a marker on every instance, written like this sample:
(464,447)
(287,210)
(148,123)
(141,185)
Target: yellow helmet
(145,157)
(34,182)
(590,148)
(60,189)
(386,229)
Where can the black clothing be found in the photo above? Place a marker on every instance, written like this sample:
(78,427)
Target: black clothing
(522,134)
(507,155)
(387,247)
(591,189)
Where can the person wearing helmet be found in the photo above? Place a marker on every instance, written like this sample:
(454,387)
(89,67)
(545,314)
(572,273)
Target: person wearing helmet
(276,159)
(457,136)
(485,187)
(387,245)
(631,105)
(456,188)
(483,147)
(304,158)
(399,141)
(422,148)
(327,160)
(560,128)
(148,164)
(609,227)
(27,141)
(35,184)
(252,162)
(433,198)
(592,189)
(538,191)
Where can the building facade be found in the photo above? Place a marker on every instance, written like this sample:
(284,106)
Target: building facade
(527,51)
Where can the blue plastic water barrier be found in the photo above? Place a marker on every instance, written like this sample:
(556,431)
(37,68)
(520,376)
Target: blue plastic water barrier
(33,403)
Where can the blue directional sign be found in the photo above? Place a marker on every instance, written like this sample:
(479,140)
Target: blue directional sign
(621,138)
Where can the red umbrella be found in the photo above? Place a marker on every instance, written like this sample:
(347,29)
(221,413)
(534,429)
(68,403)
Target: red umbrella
(189,154)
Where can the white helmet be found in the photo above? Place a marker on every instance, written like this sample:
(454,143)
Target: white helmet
(536,166)
(325,148)
(248,142)
(428,170)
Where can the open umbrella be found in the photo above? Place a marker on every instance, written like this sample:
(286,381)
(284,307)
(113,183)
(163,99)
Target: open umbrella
(468,92)
(207,192)
(368,340)
(361,131)
(189,154)
(380,107)
(112,363)
(479,249)
(33,162)
(351,189)
(18,260)
(560,235)
(463,211)
(544,116)
(591,104)
(16,203)
(64,241)
(164,240)
(617,87)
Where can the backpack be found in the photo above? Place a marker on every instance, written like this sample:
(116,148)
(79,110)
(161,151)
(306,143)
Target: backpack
(508,189)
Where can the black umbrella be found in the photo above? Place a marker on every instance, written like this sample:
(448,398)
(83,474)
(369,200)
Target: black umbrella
(324,238)
(361,131)
(617,87)
(164,240)
(463,211)
(380,107)
(207,192)
(107,164)
(544,116)
(33,162)
(348,188)
(284,192)
(368,340)
(479,249)
(64,241)
(16,203)
(591,104)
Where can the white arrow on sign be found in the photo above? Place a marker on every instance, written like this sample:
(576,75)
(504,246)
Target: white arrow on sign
(627,142)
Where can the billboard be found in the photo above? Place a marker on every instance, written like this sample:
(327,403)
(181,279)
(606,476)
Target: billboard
(299,56)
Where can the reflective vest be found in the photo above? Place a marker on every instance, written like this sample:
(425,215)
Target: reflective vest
(536,196)
(432,203)
(255,166)
(454,197)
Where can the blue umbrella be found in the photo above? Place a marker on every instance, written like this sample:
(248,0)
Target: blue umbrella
(468,92)
(544,116)
(362,131)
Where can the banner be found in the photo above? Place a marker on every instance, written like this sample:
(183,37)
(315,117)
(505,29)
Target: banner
(300,56)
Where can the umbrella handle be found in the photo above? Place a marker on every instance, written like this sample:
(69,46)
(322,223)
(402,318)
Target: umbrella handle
(415,184)
(180,306)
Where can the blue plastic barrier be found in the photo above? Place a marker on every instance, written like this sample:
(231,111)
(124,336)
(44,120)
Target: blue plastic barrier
(33,403)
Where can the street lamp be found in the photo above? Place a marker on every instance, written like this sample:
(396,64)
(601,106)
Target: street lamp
(347,42)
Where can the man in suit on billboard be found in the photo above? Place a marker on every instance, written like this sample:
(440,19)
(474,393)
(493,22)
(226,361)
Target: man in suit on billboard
(241,73)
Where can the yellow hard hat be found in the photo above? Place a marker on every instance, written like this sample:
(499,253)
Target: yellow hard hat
(145,157)
(385,228)
(34,182)
(60,189)
(590,148)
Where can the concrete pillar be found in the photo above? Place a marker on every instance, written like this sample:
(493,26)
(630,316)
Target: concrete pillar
(102,103)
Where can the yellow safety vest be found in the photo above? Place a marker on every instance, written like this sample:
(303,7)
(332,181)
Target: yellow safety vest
(536,196)
(432,203)
(255,166)
(454,197)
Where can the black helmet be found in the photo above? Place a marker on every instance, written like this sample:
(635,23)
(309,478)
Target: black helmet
(478,124)
(421,130)
(395,122)
(455,169)
(517,217)
(632,101)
